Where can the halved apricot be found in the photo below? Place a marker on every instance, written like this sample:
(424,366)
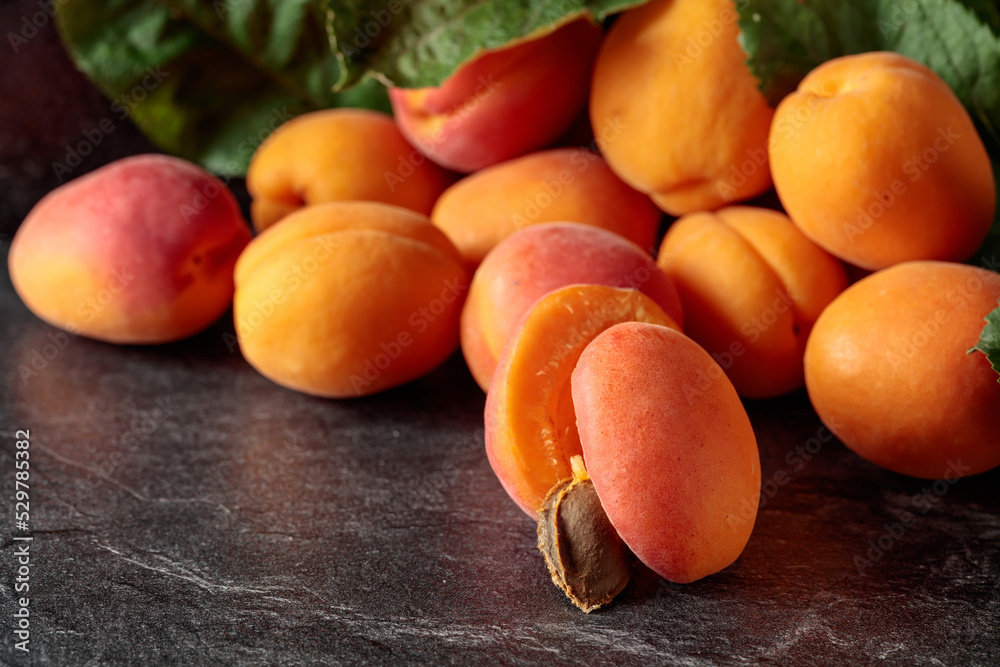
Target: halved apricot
(530,422)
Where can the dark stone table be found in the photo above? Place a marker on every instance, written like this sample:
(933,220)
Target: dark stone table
(185,510)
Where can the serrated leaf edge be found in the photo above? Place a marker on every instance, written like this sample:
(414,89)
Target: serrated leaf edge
(992,319)
(344,81)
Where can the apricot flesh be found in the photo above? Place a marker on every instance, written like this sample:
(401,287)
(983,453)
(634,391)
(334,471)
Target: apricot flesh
(536,261)
(560,185)
(752,286)
(339,155)
(139,251)
(676,109)
(888,370)
(530,423)
(504,103)
(905,176)
(346,299)
(669,448)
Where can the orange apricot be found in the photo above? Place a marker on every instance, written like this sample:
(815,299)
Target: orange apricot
(889,371)
(675,109)
(669,448)
(562,185)
(536,261)
(348,298)
(139,251)
(530,423)
(876,160)
(339,155)
(752,286)
(503,103)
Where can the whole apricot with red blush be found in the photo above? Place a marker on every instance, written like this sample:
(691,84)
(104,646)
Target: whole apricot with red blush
(503,103)
(139,251)
(542,258)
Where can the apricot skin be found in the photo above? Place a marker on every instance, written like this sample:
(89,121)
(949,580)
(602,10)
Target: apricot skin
(904,176)
(688,129)
(339,155)
(139,251)
(504,103)
(669,448)
(562,185)
(347,299)
(752,286)
(536,261)
(888,372)
(530,425)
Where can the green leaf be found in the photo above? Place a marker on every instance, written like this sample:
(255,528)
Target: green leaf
(209,80)
(419,43)
(784,42)
(988,12)
(989,340)
(785,39)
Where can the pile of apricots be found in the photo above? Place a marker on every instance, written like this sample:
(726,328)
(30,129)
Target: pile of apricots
(516,211)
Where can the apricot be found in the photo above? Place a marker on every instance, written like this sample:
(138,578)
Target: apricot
(348,298)
(563,185)
(675,108)
(530,423)
(888,370)
(876,160)
(339,155)
(536,261)
(503,103)
(669,448)
(752,286)
(139,251)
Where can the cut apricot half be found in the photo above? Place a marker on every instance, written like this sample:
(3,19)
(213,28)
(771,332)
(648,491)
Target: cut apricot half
(530,422)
